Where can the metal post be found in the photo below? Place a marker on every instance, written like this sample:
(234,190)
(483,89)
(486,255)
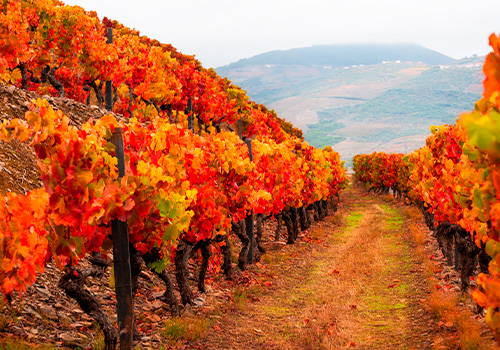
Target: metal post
(240,128)
(121,260)
(249,218)
(109,83)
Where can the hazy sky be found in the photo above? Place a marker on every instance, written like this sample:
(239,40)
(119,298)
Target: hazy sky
(219,32)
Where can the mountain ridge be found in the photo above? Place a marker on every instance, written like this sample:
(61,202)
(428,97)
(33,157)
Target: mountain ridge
(338,55)
(361,108)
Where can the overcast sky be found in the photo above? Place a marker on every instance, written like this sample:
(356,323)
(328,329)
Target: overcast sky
(219,32)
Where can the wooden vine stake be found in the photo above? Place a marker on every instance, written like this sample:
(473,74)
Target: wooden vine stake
(240,128)
(109,83)
(121,253)
(189,112)
(249,218)
(121,260)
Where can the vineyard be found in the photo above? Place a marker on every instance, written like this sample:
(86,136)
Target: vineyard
(455,180)
(183,179)
(184,163)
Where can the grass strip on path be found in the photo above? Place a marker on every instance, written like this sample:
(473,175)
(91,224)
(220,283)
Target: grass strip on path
(356,285)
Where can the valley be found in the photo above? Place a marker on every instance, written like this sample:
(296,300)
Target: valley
(386,106)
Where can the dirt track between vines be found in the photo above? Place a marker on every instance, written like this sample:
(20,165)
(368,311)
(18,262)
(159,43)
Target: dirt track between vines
(357,280)
(356,286)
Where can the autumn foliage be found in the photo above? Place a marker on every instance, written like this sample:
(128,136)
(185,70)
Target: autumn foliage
(457,176)
(180,183)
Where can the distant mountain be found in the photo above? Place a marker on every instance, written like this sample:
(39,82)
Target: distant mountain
(362,98)
(344,55)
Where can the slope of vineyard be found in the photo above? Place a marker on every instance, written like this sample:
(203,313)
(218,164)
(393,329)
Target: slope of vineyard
(19,171)
(48,315)
(185,183)
(454,178)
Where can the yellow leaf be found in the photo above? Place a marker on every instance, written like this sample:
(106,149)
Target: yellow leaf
(85,177)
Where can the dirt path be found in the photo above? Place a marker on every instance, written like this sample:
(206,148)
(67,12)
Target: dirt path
(356,286)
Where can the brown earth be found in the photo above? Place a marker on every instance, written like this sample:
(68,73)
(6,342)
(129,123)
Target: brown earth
(18,171)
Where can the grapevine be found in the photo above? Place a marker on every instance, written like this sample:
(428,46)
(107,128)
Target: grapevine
(455,179)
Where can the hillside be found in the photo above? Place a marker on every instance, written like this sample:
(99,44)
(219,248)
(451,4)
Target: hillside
(370,102)
(18,170)
(344,55)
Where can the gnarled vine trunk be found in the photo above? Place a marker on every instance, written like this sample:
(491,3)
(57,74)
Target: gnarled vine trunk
(467,255)
(279,223)
(205,254)
(73,283)
(239,229)
(324,203)
(227,267)
(304,219)
(258,234)
(444,235)
(484,259)
(48,74)
(168,296)
(182,255)
(290,218)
